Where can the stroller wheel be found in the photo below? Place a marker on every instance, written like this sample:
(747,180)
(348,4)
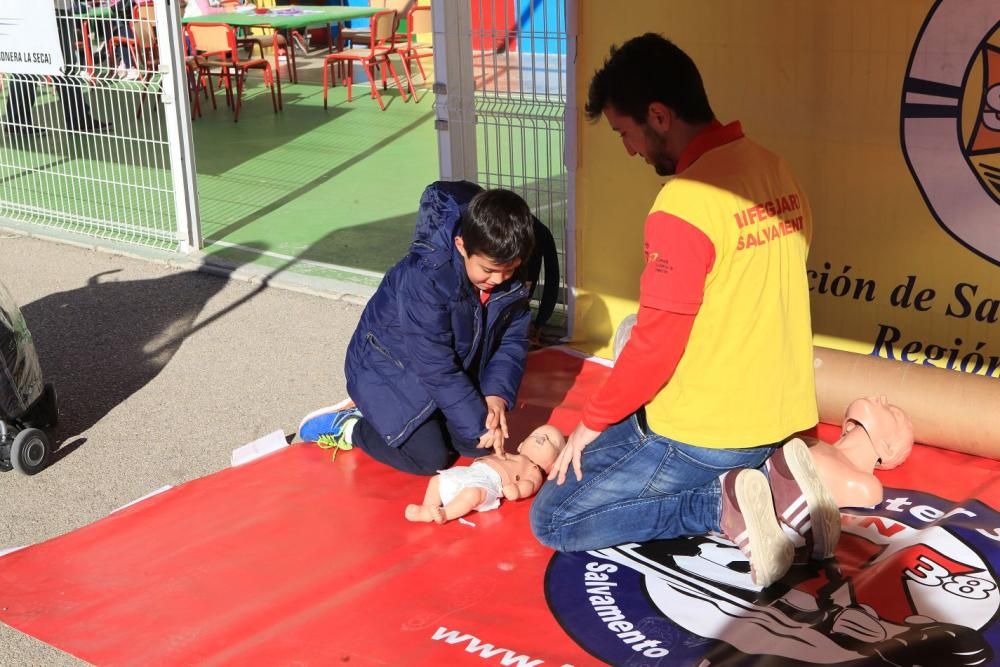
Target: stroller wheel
(30,451)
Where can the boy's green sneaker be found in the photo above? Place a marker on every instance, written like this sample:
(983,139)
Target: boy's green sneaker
(337,444)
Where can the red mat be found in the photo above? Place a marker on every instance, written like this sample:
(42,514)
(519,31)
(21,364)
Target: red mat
(293,559)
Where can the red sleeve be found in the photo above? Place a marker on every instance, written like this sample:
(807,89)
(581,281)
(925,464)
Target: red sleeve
(678,259)
(646,364)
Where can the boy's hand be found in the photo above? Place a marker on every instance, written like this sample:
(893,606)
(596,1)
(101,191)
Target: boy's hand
(493,439)
(496,415)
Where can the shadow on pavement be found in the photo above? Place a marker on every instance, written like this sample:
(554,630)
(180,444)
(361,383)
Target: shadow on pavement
(101,343)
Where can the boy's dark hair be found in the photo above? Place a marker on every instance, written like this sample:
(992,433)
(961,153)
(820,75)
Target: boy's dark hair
(498,225)
(648,69)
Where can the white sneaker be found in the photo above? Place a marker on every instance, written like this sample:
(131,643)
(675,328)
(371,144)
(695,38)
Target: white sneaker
(749,521)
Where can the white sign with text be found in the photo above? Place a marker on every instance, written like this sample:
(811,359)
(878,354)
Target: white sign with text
(29,38)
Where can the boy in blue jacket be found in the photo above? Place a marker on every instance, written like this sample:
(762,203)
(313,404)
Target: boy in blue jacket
(437,358)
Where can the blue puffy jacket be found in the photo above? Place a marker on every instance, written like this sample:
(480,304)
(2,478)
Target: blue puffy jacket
(419,335)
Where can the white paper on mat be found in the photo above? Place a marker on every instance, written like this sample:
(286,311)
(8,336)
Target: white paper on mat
(271,442)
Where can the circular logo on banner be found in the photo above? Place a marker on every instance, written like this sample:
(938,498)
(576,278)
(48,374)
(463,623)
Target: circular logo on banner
(913,583)
(950,120)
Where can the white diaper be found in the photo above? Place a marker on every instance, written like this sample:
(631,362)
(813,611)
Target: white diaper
(481,475)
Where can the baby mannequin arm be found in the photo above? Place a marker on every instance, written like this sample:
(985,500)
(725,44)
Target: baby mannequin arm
(527,479)
(523,488)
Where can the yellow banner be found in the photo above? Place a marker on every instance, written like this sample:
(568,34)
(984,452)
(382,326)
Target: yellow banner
(889,113)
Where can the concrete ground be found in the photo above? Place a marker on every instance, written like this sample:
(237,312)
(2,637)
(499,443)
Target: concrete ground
(161,373)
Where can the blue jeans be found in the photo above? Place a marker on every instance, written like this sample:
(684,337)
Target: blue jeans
(637,486)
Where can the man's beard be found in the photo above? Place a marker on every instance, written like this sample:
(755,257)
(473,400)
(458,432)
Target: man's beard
(656,147)
(665,169)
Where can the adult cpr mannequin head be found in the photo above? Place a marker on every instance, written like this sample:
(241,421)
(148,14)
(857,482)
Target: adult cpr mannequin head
(888,428)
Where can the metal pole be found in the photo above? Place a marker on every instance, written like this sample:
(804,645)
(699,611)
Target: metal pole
(177,112)
(454,89)
(571,159)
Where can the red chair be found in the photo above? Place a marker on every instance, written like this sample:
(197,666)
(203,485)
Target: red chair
(354,36)
(196,82)
(216,46)
(84,44)
(417,21)
(264,39)
(376,53)
(142,44)
(280,49)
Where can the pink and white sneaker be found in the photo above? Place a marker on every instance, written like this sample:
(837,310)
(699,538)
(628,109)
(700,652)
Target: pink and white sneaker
(801,499)
(748,520)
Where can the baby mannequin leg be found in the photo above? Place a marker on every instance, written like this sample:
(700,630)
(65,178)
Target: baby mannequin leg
(431,508)
(466,500)
(433,496)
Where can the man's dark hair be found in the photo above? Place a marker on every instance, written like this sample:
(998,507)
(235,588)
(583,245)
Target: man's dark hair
(498,225)
(648,69)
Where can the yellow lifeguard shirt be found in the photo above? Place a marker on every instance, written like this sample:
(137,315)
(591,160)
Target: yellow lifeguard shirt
(746,376)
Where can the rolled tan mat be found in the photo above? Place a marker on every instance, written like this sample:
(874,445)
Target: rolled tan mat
(949,409)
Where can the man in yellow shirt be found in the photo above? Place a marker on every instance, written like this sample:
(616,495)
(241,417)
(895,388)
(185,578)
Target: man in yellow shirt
(721,355)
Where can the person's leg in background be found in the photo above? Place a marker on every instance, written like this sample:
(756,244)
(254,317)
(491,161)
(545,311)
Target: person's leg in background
(76,111)
(125,67)
(18,117)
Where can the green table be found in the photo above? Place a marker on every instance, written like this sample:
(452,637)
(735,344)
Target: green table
(279,19)
(95,13)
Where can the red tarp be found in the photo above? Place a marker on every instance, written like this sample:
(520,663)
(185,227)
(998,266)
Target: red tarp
(294,559)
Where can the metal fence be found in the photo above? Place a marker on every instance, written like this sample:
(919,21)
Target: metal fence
(503,101)
(103,150)
(519,67)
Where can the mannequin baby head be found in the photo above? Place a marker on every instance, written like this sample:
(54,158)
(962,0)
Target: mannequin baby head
(542,446)
(888,427)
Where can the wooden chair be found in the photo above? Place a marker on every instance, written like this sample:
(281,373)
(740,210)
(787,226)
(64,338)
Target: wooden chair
(216,46)
(377,52)
(360,36)
(418,21)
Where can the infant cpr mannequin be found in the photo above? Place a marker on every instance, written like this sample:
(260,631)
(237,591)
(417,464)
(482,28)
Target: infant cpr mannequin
(875,435)
(457,491)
